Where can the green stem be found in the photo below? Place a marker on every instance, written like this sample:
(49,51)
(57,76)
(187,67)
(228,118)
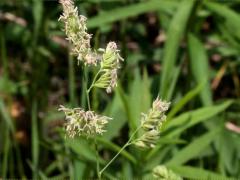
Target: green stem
(89,108)
(87,92)
(125,145)
(84,87)
(6,156)
(94,80)
(88,101)
(97,158)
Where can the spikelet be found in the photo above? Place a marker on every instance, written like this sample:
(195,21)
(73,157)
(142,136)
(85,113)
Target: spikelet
(161,172)
(76,31)
(109,65)
(83,123)
(151,124)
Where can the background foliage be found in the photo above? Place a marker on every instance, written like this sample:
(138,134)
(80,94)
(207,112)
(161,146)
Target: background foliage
(187,51)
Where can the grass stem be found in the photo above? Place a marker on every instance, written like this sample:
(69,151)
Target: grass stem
(125,145)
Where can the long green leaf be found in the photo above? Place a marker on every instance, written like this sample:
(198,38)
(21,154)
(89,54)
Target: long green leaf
(35,140)
(189,119)
(115,110)
(37,15)
(9,122)
(41,174)
(6,117)
(232,18)
(127,171)
(6,153)
(194,148)
(3,54)
(200,67)
(197,173)
(227,146)
(139,99)
(82,149)
(129,11)
(175,77)
(79,169)
(174,35)
(190,95)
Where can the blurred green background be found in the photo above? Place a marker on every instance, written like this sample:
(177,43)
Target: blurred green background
(187,51)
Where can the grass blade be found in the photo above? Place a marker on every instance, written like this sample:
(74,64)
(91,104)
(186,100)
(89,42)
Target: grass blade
(37,15)
(11,127)
(189,96)
(6,154)
(139,99)
(199,66)
(115,110)
(35,141)
(79,169)
(40,173)
(6,117)
(194,148)
(129,11)
(3,54)
(189,119)
(192,172)
(174,35)
(232,18)
(81,147)
(127,172)
(176,74)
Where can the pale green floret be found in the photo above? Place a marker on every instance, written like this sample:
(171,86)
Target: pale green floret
(161,172)
(148,139)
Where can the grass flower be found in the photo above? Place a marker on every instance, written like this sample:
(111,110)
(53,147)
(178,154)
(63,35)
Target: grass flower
(83,123)
(110,63)
(161,172)
(151,124)
(76,31)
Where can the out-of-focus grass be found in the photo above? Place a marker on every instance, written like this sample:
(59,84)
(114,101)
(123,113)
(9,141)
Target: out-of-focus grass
(185,51)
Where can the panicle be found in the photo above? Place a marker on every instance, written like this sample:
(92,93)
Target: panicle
(109,66)
(83,123)
(151,124)
(76,31)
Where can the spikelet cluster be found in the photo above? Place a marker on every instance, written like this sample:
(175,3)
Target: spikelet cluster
(161,172)
(83,123)
(110,64)
(76,31)
(151,124)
